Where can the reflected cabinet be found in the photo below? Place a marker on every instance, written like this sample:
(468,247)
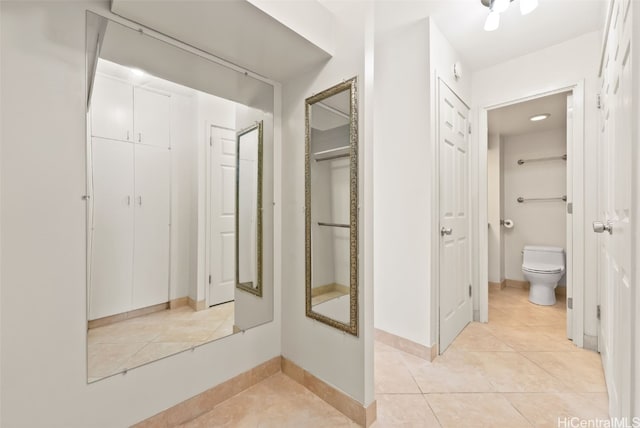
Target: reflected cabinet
(331,206)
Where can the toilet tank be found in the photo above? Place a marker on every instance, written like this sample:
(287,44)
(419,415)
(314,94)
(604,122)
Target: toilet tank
(535,255)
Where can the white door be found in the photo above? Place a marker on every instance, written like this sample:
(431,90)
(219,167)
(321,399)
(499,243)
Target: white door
(112,109)
(152,118)
(456,308)
(152,226)
(111,228)
(614,211)
(222,200)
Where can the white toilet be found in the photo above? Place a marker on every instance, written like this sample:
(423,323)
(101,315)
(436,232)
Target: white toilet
(543,267)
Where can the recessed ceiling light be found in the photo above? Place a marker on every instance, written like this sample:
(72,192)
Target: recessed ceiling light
(539,117)
(137,72)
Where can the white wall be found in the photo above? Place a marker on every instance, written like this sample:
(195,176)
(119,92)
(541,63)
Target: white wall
(494,209)
(333,356)
(43,264)
(535,223)
(409,60)
(550,69)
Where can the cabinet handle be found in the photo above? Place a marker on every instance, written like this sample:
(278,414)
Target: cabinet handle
(127,135)
(139,137)
(139,200)
(129,200)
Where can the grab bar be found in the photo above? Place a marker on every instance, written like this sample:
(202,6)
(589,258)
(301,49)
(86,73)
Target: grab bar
(523,161)
(560,198)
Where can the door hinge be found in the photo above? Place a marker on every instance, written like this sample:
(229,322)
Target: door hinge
(570,303)
(470,292)
(570,208)
(599,101)
(598,312)
(209,279)
(211,140)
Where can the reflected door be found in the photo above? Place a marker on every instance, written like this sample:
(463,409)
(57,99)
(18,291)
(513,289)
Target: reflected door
(222,209)
(455,257)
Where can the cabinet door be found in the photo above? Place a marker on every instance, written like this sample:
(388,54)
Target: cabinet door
(112,109)
(151,244)
(152,118)
(112,228)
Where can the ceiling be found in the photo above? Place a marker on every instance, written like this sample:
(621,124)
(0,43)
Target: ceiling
(514,119)
(462,21)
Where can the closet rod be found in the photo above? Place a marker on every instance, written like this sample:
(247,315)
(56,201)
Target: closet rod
(523,161)
(320,223)
(560,198)
(346,155)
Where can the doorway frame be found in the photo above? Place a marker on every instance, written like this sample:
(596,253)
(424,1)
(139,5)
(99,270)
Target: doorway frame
(575,192)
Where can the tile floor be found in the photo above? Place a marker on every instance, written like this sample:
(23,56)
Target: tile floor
(137,341)
(516,371)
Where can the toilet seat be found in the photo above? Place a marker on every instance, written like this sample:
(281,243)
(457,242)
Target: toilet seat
(542,268)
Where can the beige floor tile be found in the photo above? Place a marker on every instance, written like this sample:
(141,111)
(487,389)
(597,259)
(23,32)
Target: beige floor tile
(105,359)
(546,410)
(580,371)
(452,378)
(475,410)
(276,402)
(396,410)
(512,372)
(392,375)
(476,337)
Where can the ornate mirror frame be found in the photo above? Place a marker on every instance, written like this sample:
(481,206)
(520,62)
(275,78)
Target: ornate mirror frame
(248,286)
(350,85)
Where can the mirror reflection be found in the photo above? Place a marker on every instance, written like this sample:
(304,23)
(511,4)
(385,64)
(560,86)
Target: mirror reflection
(249,209)
(175,219)
(331,168)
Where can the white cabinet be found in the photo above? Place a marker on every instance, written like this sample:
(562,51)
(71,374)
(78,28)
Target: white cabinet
(151,234)
(131,182)
(152,118)
(111,243)
(112,109)
(120,111)
(130,227)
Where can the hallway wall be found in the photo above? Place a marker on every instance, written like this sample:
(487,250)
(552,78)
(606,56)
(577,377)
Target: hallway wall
(535,223)
(495,209)
(405,165)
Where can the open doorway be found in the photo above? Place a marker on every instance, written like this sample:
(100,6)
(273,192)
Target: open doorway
(528,208)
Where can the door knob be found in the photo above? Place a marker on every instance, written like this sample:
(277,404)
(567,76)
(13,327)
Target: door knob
(600,227)
(445,231)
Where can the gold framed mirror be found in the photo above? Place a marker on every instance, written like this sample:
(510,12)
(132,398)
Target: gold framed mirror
(331,206)
(249,209)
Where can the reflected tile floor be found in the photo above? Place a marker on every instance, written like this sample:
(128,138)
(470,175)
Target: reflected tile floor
(137,341)
(518,370)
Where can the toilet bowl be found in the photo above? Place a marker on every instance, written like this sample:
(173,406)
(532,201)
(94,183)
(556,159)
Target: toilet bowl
(543,267)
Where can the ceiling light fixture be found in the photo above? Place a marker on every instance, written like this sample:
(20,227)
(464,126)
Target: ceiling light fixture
(528,6)
(496,7)
(539,117)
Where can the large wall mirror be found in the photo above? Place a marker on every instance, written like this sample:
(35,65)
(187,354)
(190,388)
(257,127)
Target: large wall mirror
(331,206)
(179,166)
(249,209)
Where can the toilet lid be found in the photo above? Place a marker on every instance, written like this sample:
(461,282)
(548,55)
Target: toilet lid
(542,268)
